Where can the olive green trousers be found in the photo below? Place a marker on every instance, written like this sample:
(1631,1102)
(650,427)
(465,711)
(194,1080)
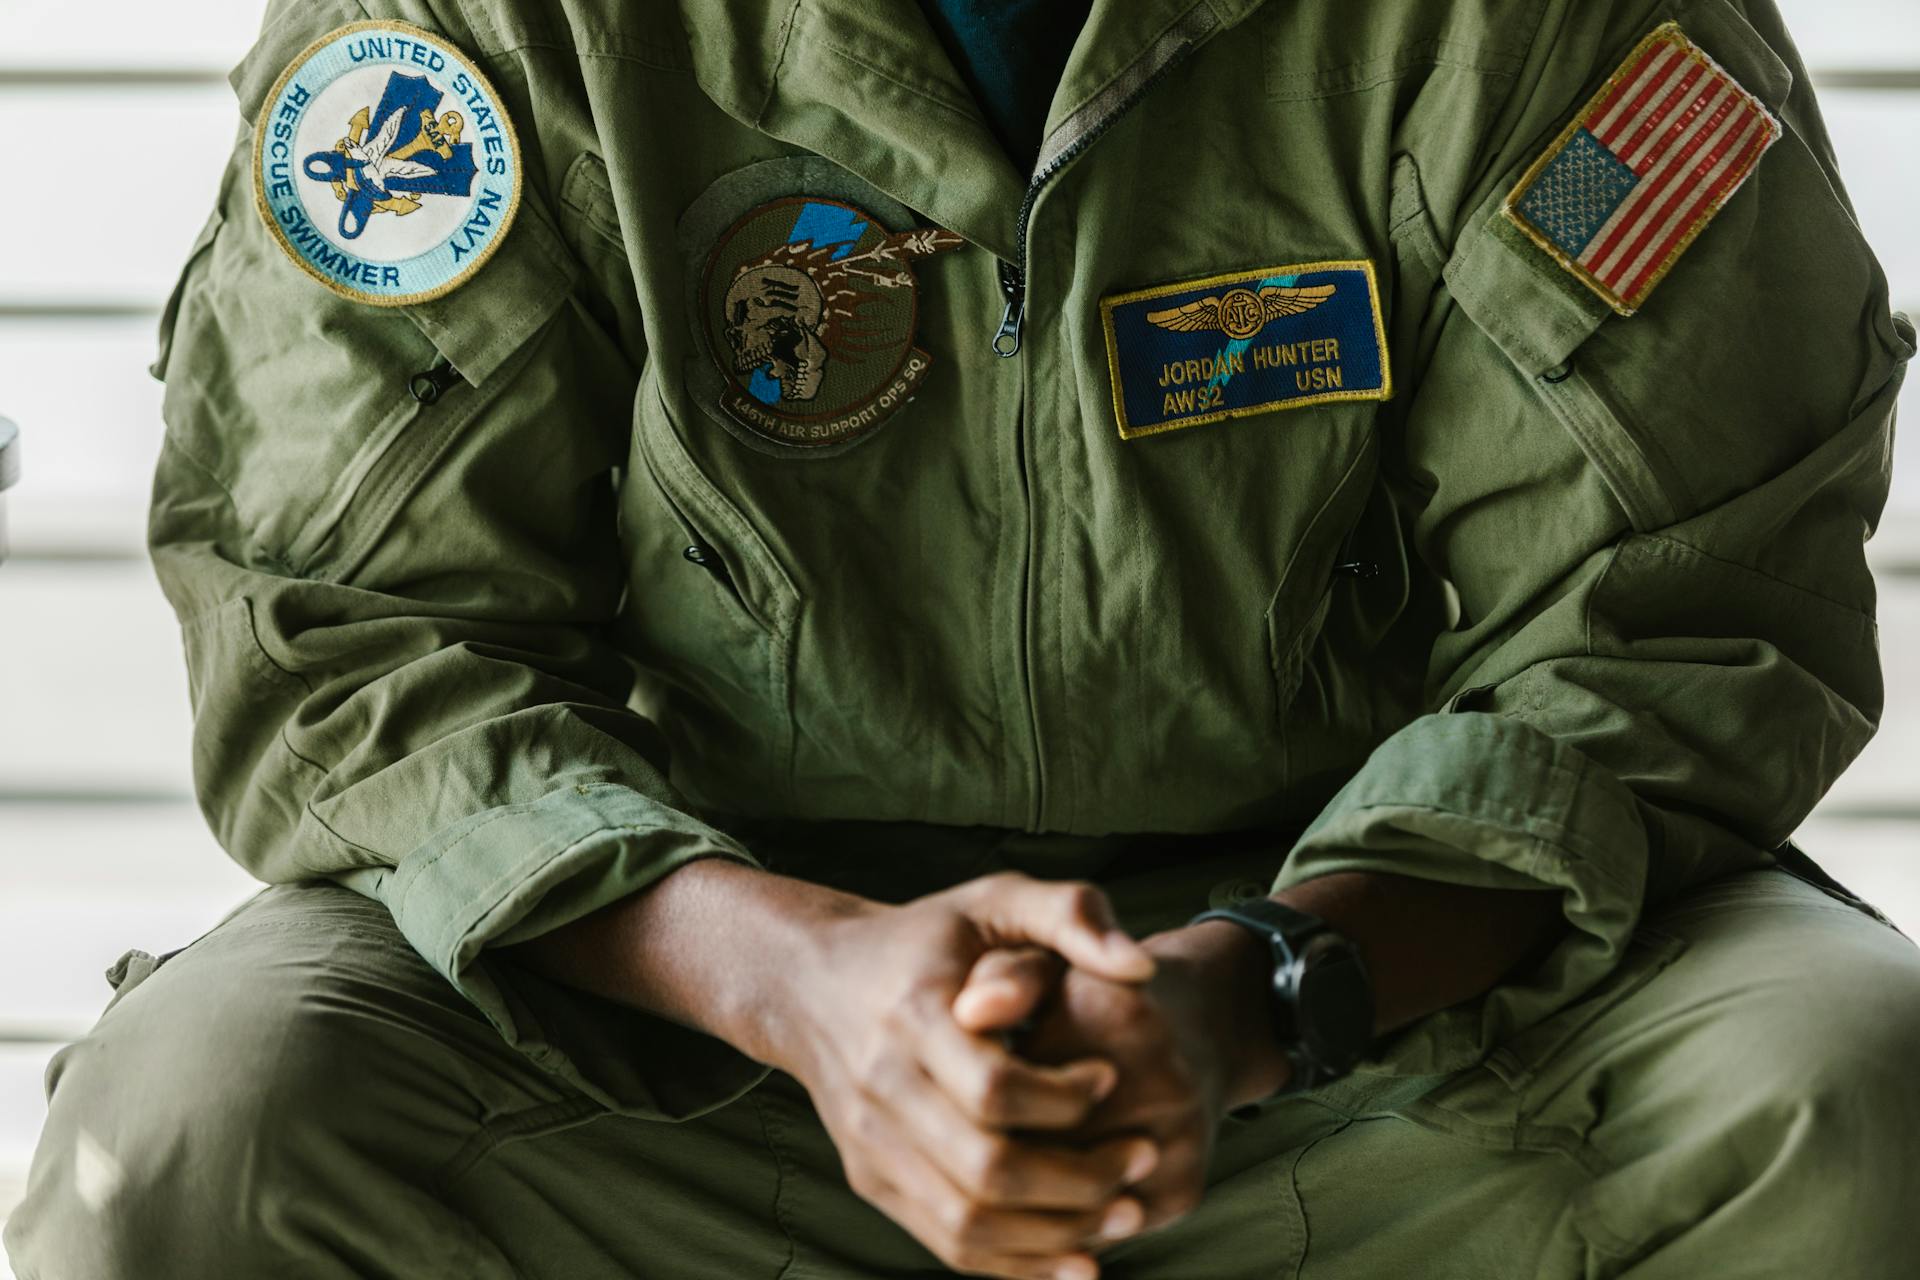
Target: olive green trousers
(298,1095)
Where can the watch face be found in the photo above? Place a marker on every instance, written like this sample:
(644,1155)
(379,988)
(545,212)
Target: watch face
(1335,1003)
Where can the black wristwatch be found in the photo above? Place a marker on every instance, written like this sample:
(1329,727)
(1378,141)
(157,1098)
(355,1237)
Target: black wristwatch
(1322,997)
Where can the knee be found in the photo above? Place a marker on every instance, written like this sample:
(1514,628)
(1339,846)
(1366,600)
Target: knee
(1805,1095)
(1759,1102)
(206,1104)
(1832,1063)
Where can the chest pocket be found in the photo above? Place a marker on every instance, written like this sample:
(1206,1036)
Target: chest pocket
(1730,370)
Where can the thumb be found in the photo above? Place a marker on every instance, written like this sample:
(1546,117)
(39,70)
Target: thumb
(1005,988)
(1072,918)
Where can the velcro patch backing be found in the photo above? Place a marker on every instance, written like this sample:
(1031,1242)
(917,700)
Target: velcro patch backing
(1181,355)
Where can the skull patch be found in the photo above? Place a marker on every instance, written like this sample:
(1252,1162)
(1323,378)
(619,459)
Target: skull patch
(810,307)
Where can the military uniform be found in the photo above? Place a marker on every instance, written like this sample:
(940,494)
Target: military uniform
(626,548)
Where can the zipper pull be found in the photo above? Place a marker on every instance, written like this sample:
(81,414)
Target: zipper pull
(430,385)
(1361,569)
(1013,285)
(707,558)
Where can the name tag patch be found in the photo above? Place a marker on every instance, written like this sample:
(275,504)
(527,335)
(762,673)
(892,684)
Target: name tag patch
(1200,351)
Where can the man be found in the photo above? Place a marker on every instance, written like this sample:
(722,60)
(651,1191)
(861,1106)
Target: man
(701,566)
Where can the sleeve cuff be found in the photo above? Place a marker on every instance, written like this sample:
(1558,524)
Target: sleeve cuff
(1476,799)
(516,872)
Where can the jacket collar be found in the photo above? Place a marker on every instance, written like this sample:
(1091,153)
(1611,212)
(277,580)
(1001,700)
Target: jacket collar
(870,87)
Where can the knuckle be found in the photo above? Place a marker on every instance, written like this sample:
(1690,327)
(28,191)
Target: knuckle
(1143,1017)
(861,1182)
(988,1166)
(960,1219)
(868,1124)
(1079,898)
(971,1260)
(1002,881)
(870,1066)
(1181,1199)
(993,1092)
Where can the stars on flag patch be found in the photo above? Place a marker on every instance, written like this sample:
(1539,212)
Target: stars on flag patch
(1643,169)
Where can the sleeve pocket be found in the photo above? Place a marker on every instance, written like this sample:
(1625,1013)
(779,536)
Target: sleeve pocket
(320,416)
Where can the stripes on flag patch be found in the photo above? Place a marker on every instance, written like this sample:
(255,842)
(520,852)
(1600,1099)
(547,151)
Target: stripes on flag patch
(1644,168)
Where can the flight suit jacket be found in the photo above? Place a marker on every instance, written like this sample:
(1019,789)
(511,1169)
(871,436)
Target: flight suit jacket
(492,614)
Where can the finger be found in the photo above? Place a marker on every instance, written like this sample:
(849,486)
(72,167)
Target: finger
(1071,917)
(1001,1170)
(1176,1186)
(1005,988)
(997,1089)
(922,1200)
(975,1240)
(994,1238)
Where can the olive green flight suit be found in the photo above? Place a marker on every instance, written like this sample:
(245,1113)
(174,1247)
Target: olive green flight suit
(447,652)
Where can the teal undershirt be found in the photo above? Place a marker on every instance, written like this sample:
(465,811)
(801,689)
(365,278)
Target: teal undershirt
(1011,53)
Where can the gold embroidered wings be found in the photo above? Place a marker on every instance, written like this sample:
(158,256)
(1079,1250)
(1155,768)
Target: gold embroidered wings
(1273,302)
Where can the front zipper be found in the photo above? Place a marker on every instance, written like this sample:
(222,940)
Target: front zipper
(1125,90)
(1013,275)
(1013,287)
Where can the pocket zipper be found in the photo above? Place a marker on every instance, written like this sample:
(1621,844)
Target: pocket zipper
(430,384)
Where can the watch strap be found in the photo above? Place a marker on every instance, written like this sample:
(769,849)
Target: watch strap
(1288,932)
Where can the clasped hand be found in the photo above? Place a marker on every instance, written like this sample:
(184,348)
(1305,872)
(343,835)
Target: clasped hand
(1024,1164)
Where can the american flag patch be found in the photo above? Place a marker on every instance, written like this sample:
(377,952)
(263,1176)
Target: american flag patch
(1646,166)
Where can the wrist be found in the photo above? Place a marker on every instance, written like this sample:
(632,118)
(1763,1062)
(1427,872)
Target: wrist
(716,945)
(784,947)
(1233,973)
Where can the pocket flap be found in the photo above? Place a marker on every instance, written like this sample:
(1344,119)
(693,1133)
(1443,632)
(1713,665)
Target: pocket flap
(1519,297)
(488,318)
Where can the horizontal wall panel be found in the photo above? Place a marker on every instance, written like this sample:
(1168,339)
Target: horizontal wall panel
(87,407)
(1855,33)
(86,883)
(209,35)
(213,34)
(93,688)
(73,243)
(89,415)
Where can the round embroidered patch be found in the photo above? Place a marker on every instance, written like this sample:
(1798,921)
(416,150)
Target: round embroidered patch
(385,164)
(810,308)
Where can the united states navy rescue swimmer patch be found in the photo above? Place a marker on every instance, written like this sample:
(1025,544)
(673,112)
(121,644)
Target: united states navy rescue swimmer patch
(1200,351)
(1625,190)
(385,165)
